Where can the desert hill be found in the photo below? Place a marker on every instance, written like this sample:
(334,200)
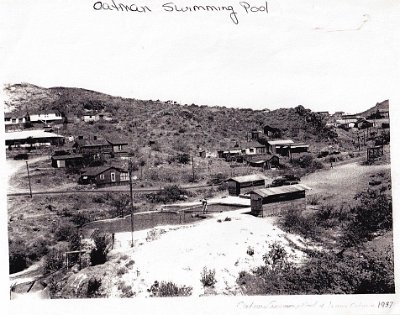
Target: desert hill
(167,126)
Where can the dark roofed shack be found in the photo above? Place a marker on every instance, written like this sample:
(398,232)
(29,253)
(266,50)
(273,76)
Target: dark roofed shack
(241,184)
(104,176)
(277,200)
(67,160)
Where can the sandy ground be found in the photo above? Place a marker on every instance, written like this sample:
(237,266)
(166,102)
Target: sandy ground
(179,254)
(344,179)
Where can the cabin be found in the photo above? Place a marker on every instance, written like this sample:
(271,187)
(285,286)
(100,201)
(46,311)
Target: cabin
(15,118)
(273,132)
(277,146)
(90,116)
(264,161)
(32,138)
(254,134)
(253,147)
(67,160)
(118,146)
(242,184)
(104,176)
(278,200)
(93,146)
(46,116)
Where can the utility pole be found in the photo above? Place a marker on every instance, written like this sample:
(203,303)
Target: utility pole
(29,179)
(193,169)
(130,170)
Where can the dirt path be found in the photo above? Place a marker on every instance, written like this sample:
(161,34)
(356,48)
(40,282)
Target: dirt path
(344,180)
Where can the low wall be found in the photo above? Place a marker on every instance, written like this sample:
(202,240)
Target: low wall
(141,221)
(145,220)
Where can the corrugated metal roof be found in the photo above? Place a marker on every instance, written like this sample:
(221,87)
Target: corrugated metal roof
(280,142)
(271,191)
(25,134)
(67,156)
(248,178)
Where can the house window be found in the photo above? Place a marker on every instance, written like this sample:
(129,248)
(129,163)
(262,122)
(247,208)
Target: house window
(124,177)
(101,176)
(113,177)
(251,150)
(120,147)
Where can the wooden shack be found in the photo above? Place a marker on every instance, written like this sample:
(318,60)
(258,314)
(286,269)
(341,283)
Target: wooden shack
(104,176)
(67,160)
(242,184)
(278,200)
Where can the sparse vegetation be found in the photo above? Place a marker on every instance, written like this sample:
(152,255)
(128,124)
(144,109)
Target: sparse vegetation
(166,289)
(208,277)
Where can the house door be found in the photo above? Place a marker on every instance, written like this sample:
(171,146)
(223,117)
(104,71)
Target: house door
(113,177)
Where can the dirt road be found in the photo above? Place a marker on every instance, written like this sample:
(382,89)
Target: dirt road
(344,180)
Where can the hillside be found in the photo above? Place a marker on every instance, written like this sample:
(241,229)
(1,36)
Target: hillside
(381,107)
(167,126)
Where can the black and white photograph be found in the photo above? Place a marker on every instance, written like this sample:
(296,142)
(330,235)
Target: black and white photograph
(234,155)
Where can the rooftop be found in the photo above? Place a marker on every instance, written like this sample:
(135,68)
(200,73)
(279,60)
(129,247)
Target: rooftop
(67,156)
(248,178)
(280,142)
(93,171)
(25,134)
(272,191)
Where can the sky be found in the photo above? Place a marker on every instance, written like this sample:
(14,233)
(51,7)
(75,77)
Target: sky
(324,55)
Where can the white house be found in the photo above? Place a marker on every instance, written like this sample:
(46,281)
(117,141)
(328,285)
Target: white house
(46,116)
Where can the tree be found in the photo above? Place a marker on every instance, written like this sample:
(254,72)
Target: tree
(142,164)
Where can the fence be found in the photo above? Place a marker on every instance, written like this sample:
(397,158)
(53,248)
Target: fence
(175,215)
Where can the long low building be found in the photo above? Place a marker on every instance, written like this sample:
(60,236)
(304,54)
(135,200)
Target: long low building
(32,138)
(241,184)
(278,200)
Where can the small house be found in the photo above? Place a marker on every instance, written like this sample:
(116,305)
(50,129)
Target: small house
(15,118)
(278,146)
(278,200)
(254,147)
(90,116)
(67,160)
(46,116)
(273,132)
(241,184)
(32,138)
(93,146)
(264,161)
(118,146)
(104,176)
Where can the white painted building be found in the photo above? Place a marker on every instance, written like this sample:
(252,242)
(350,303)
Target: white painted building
(45,116)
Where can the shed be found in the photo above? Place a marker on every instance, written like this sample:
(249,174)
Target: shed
(276,146)
(277,200)
(241,184)
(67,160)
(104,176)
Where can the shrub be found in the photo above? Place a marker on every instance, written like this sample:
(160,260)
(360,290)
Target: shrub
(80,219)
(17,256)
(65,232)
(165,289)
(168,194)
(208,277)
(93,287)
(98,255)
(250,251)
(53,261)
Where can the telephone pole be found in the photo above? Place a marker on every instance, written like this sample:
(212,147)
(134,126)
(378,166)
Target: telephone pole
(29,179)
(193,169)
(130,170)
